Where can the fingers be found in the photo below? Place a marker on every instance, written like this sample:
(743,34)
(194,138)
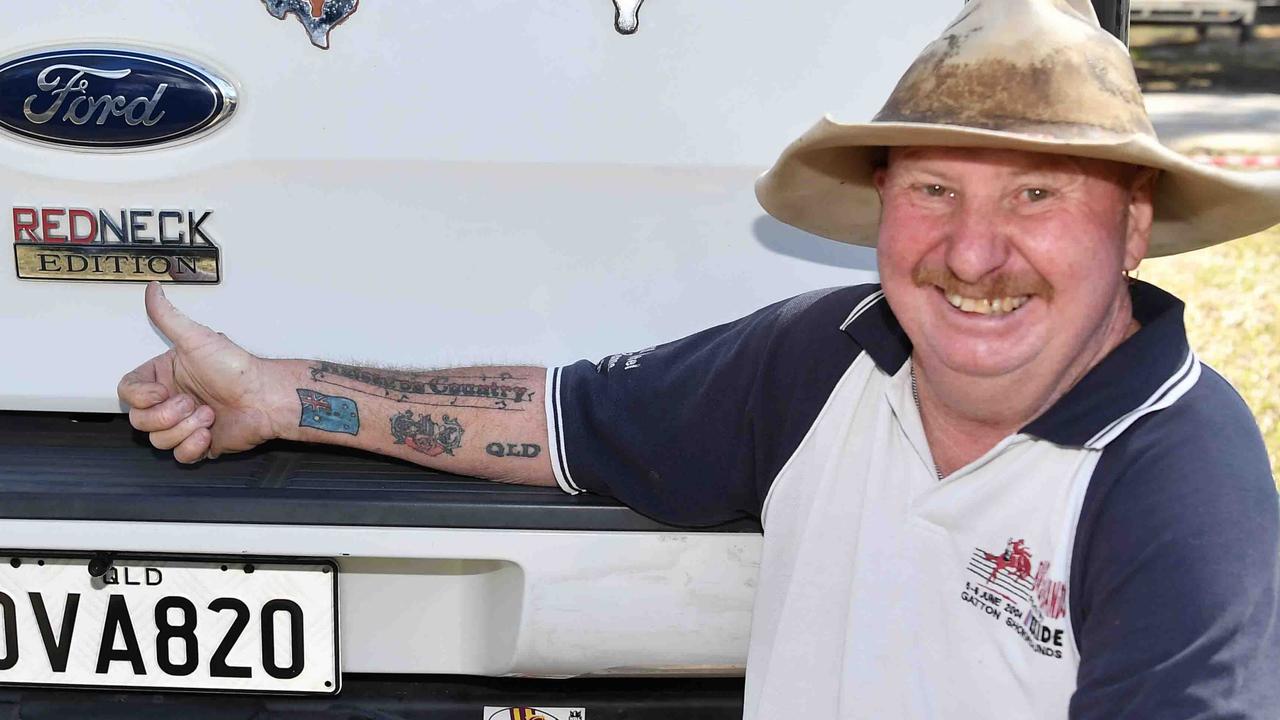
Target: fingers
(180,329)
(163,415)
(173,437)
(195,448)
(139,389)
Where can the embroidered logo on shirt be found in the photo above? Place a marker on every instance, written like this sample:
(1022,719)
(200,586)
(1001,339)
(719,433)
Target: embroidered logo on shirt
(1007,592)
(632,360)
(1015,559)
(1051,595)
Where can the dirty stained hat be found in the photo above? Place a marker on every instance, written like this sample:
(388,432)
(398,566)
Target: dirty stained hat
(1035,75)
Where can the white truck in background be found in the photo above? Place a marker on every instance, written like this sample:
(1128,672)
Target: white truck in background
(1201,14)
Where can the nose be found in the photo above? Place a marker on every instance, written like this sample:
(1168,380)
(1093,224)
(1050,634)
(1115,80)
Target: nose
(977,241)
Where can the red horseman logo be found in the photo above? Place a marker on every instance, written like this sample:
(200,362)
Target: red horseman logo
(1016,559)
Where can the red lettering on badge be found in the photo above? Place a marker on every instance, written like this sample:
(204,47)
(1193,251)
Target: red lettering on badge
(80,214)
(48,222)
(26,228)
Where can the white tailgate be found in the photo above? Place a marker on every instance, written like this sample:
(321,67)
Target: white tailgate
(454,181)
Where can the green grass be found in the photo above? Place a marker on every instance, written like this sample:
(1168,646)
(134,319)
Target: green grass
(1232,293)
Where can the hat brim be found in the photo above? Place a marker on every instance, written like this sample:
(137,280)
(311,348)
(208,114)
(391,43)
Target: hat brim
(822,182)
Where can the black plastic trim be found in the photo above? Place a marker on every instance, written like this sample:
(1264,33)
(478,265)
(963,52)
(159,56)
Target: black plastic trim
(399,697)
(1113,15)
(61,467)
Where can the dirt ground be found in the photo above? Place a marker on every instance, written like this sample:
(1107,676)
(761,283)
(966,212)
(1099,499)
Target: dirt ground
(1169,58)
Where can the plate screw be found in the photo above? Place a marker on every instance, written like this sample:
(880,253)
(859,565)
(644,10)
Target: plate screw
(99,565)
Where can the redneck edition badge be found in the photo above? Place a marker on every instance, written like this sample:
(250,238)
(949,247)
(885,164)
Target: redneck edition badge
(135,245)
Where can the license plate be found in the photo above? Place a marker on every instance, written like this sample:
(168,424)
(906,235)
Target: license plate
(169,623)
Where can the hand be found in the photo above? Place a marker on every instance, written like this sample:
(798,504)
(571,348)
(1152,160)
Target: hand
(204,397)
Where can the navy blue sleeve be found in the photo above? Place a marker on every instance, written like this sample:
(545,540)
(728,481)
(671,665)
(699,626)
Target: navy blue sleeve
(1176,573)
(693,432)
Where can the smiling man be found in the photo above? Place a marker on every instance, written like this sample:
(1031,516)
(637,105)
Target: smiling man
(1007,270)
(1000,484)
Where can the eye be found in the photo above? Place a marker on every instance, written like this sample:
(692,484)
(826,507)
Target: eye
(1036,194)
(937,191)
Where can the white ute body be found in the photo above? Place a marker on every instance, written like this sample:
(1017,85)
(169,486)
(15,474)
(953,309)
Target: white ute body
(454,183)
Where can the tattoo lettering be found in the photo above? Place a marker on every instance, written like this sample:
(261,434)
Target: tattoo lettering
(426,435)
(383,379)
(447,386)
(515,450)
(328,412)
(483,392)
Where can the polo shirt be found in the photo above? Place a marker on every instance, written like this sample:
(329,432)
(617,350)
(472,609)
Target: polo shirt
(1119,556)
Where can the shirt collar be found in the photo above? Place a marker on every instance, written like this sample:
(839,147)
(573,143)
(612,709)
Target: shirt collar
(872,325)
(1128,379)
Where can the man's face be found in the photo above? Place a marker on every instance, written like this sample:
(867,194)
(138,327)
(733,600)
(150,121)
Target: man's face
(1009,263)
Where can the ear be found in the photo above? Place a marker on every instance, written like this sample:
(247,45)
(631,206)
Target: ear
(878,177)
(1140,216)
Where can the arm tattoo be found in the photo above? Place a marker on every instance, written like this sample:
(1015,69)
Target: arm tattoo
(513,450)
(328,412)
(502,391)
(426,435)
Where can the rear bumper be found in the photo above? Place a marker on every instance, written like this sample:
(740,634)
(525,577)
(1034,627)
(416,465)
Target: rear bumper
(392,697)
(437,574)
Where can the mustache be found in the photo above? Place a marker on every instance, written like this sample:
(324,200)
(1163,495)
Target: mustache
(996,286)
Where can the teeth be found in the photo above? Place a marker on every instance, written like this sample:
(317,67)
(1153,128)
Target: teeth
(987,306)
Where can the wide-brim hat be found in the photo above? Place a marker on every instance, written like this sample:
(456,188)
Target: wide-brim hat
(1036,75)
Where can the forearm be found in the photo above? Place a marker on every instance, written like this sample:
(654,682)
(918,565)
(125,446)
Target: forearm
(486,421)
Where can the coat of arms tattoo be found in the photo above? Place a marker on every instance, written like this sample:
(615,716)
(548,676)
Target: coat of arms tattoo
(425,434)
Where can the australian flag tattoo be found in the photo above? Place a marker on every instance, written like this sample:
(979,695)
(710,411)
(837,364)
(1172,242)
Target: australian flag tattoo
(328,412)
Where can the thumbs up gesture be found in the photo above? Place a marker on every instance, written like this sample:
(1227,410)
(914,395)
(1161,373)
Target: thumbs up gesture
(204,397)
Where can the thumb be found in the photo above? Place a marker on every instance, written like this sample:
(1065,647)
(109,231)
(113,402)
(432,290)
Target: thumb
(180,329)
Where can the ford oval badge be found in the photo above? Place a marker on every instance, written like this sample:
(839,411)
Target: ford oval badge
(110,99)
